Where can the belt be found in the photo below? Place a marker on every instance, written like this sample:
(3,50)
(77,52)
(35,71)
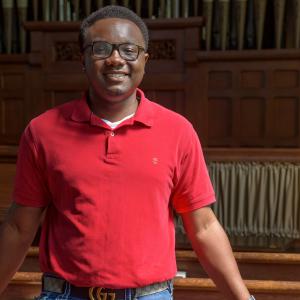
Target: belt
(58,285)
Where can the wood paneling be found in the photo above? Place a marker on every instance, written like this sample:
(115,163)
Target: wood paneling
(253,99)
(220,116)
(13,106)
(13,119)
(170,99)
(7,174)
(257,107)
(253,79)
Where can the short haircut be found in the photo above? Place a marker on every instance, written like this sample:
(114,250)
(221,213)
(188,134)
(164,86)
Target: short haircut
(112,11)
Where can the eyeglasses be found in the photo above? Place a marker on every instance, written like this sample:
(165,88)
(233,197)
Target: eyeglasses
(127,51)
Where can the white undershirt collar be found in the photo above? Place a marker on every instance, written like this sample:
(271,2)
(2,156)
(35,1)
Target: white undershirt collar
(113,125)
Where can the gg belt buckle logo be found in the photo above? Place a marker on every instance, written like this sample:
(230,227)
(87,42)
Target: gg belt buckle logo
(99,295)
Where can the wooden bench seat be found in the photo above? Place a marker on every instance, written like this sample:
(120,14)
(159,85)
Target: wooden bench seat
(252,265)
(204,289)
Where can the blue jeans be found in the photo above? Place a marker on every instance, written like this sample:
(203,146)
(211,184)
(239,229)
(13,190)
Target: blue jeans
(162,295)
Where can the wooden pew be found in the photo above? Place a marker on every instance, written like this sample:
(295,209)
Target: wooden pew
(26,285)
(31,262)
(23,286)
(7,174)
(204,289)
(253,265)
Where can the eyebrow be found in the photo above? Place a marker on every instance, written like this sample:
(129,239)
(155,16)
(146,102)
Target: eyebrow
(124,42)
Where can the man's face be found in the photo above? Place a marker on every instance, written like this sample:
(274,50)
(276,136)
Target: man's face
(114,79)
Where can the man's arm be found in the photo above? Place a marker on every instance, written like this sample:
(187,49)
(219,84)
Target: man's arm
(16,235)
(213,249)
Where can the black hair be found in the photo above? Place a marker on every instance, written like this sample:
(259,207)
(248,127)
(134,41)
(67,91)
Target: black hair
(112,11)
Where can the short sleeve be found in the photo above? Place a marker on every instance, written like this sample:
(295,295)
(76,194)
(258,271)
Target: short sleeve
(193,188)
(30,187)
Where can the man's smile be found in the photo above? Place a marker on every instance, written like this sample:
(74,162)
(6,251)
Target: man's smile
(115,76)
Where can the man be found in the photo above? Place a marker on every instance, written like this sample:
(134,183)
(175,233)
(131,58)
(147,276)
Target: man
(107,169)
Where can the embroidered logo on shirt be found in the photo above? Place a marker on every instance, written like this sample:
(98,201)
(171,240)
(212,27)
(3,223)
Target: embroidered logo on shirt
(155,160)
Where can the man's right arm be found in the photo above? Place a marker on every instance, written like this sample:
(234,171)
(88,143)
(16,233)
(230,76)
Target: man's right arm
(16,235)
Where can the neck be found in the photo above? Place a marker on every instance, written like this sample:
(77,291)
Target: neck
(112,111)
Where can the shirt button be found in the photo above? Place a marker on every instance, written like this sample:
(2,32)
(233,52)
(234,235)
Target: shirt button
(112,133)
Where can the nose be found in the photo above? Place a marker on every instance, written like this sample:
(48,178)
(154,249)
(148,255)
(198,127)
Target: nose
(115,59)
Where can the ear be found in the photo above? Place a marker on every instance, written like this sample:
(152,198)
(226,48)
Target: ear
(82,61)
(146,57)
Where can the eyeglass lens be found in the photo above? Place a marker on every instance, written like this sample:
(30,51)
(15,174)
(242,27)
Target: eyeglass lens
(126,51)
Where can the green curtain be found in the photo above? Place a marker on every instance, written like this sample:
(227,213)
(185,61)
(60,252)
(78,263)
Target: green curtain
(257,198)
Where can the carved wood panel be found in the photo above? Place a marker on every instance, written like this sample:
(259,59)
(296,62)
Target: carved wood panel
(7,174)
(13,105)
(172,99)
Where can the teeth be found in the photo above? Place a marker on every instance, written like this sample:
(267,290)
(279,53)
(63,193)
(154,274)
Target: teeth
(116,75)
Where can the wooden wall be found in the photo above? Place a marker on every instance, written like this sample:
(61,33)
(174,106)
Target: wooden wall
(251,98)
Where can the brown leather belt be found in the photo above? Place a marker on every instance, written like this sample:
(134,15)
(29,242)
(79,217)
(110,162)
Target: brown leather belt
(58,285)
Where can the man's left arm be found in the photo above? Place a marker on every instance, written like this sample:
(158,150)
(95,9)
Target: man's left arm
(214,252)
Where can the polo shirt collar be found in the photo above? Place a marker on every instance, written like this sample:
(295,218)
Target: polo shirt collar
(144,114)
(81,111)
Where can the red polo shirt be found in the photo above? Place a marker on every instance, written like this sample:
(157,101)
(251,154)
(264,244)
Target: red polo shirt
(110,193)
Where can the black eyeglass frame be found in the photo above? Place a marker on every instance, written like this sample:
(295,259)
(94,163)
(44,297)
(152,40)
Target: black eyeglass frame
(114,47)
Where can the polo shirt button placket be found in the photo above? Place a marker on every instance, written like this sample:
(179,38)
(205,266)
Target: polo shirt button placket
(112,148)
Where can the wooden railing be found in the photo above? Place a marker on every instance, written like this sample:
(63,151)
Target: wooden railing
(201,288)
(252,265)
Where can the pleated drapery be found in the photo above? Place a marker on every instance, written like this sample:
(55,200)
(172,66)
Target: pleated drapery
(257,198)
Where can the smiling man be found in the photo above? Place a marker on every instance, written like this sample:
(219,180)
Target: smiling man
(108,170)
(114,62)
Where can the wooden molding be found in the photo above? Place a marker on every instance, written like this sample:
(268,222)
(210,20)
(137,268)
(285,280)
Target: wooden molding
(249,257)
(7,150)
(252,154)
(255,286)
(235,55)
(13,58)
(8,154)
(59,26)
(53,26)
(27,277)
(33,252)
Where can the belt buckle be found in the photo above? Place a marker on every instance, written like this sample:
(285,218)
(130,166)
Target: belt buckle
(99,295)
